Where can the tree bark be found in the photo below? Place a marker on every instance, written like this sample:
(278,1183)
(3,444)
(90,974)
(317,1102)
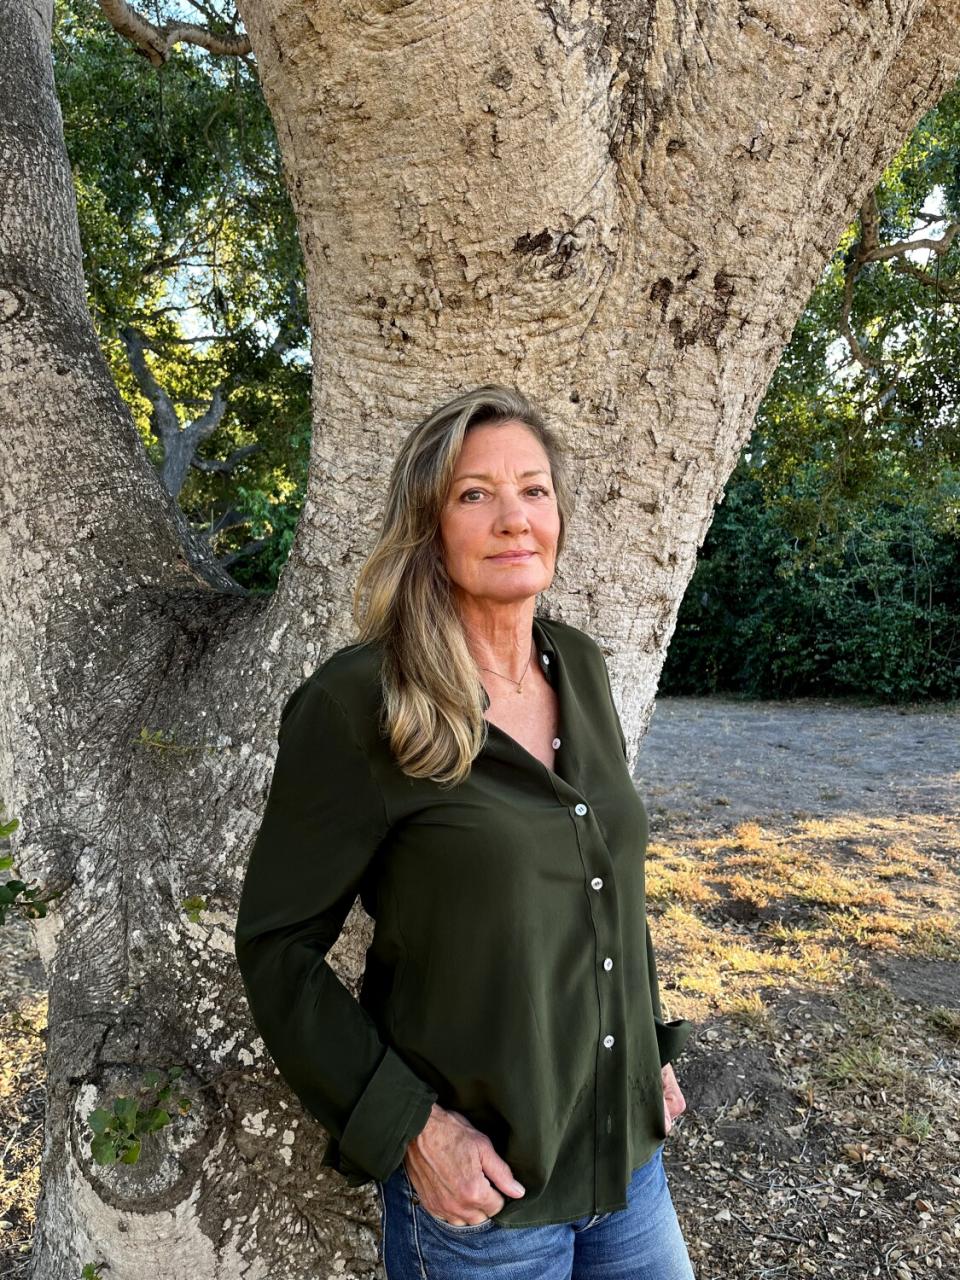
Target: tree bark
(620,207)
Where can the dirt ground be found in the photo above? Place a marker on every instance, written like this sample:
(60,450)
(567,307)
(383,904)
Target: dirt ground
(803,880)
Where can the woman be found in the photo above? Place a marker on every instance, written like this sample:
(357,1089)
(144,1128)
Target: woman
(462,767)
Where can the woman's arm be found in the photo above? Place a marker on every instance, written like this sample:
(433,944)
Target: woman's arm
(323,821)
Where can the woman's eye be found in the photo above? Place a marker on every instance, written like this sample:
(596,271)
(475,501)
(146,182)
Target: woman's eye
(533,488)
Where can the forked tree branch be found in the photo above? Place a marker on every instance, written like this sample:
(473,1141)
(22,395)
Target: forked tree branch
(156,42)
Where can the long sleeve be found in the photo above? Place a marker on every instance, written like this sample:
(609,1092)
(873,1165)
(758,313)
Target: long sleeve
(673,1035)
(323,821)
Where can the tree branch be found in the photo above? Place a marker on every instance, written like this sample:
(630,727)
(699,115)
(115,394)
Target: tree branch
(164,413)
(248,549)
(869,249)
(156,42)
(223,466)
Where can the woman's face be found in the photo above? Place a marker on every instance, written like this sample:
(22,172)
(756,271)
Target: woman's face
(501,499)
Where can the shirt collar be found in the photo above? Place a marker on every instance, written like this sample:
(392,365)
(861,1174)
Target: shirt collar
(545,648)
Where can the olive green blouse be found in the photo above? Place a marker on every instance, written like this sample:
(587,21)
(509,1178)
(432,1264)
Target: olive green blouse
(511,975)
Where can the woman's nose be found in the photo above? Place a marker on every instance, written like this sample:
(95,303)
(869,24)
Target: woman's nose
(511,514)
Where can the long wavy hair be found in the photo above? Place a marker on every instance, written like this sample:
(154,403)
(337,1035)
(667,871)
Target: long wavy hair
(433,698)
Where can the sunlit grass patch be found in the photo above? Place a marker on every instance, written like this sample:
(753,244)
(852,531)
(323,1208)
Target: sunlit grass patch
(23,1028)
(827,885)
(758,891)
(750,835)
(833,828)
(684,924)
(788,868)
(704,982)
(824,964)
(791,865)
(749,1009)
(901,859)
(743,913)
(770,861)
(785,872)
(795,934)
(933,935)
(895,870)
(737,958)
(677,879)
(710,960)
(851,826)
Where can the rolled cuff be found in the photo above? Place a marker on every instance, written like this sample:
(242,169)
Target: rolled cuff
(391,1111)
(671,1037)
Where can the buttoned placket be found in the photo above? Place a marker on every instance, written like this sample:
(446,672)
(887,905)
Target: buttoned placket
(603,905)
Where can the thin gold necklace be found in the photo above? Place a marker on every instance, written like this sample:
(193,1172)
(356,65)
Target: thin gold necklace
(518,683)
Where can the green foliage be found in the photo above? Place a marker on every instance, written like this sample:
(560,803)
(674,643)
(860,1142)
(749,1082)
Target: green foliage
(163,740)
(273,516)
(29,900)
(192,907)
(7,828)
(189,237)
(871,610)
(832,565)
(16,895)
(118,1133)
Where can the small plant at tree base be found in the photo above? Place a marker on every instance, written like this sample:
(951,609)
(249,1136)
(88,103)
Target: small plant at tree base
(31,902)
(165,741)
(8,828)
(193,906)
(118,1133)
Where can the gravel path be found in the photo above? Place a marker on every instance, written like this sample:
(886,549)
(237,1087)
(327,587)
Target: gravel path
(770,760)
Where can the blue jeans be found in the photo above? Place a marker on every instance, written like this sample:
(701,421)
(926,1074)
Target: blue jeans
(641,1242)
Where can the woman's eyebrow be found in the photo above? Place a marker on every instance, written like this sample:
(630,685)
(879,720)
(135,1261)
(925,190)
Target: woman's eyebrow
(538,471)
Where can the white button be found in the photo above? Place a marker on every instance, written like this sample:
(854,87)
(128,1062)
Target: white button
(596,883)
(546,659)
(581,809)
(608,964)
(608,1042)
(556,743)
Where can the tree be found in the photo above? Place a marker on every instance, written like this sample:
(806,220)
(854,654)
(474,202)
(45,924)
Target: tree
(622,210)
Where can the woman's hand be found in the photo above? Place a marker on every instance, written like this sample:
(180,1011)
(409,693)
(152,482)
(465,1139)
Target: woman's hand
(673,1100)
(455,1170)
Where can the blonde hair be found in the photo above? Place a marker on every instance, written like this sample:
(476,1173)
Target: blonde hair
(403,599)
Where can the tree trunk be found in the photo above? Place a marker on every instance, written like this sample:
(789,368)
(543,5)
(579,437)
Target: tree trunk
(620,208)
